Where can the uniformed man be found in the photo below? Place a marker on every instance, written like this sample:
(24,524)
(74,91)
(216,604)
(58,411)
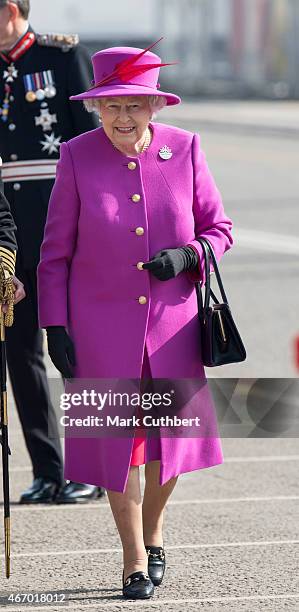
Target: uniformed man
(38,73)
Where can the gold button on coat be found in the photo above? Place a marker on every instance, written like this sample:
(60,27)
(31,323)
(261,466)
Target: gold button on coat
(132,166)
(139,231)
(142,299)
(140,265)
(136,197)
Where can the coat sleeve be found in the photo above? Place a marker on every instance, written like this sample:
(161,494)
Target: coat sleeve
(58,244)
(79,80)
(210,220)
(8,245)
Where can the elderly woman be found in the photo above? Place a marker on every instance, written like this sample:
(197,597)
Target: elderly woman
(116,287)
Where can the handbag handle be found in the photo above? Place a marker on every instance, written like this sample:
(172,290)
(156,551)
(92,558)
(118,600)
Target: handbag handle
(203,308)
(208,277)
(208,255)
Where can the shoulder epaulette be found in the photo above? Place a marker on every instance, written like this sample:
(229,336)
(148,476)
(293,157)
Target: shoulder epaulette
(65,42)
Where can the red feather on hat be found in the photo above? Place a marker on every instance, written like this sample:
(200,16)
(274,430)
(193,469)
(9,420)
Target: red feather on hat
(127,69)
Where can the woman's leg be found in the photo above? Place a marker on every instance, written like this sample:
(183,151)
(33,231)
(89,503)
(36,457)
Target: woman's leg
(154,502)
(127,511)
(155,496)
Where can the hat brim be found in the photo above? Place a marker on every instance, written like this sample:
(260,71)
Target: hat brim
(126,90)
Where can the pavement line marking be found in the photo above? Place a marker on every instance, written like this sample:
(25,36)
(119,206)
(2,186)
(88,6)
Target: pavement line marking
(96,551)
(266,241)
(175,502)
(158,602)
(261,458)
(247,459)
(233,500)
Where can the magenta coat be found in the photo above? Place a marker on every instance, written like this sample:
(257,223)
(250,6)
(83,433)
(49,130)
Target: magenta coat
(89,281)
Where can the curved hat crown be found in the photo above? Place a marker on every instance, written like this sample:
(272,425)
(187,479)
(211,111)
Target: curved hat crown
(121,65)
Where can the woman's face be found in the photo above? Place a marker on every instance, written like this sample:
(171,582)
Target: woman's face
(125,119)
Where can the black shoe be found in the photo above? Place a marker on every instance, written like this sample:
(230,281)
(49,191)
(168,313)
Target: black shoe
(76,492)
(156,563)
(138,586)
(42,491)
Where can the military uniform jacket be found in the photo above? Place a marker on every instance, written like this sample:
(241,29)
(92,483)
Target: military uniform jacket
(8,244)
(37,78)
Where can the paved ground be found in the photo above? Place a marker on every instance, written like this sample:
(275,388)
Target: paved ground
(235,527)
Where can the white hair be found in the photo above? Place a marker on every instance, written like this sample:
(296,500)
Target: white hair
(156,103)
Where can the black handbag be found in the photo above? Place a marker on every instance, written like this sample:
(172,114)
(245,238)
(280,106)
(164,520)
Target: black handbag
(220,340)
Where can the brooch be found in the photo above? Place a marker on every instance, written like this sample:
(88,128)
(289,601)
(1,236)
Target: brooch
(165,152)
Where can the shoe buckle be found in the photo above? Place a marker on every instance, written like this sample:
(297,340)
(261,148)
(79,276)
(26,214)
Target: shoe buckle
(159,555)
(143,575)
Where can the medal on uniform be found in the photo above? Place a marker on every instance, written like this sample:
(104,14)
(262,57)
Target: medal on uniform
(165,152)
(30,96)
(40,95)
(4,110)
(30,88)
(45,119)
(10,74)
(51,143)
(39,85)
(50,91)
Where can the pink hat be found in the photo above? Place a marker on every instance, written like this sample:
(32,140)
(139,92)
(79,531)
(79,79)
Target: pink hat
(126,71)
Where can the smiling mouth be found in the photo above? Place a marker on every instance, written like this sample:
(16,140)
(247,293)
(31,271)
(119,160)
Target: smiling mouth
(127,130)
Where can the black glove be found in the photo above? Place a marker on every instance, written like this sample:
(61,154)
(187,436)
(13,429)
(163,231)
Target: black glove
(170,262)
(61,350)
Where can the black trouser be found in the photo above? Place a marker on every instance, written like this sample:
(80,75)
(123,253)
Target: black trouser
(30,386)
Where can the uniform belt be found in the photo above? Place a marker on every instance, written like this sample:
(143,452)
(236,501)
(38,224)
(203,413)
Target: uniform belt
(29,170)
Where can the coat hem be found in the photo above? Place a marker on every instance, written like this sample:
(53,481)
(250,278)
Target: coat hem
(203,466)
